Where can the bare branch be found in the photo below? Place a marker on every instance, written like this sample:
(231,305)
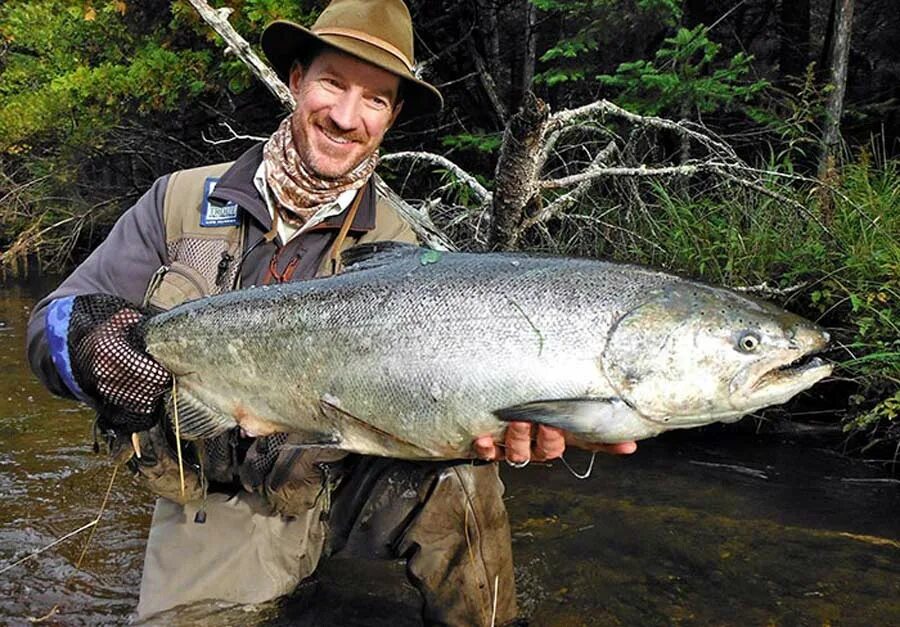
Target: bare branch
(218,19)
(484,196)
(601,108)
(567,200)
(487,82)
(553,137)
(779,197)
(235,136)
(594,173)
(420,222)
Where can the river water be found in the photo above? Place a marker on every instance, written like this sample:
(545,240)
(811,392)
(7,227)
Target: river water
(694,529)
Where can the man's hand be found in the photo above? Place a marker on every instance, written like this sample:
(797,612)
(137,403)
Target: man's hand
(110,365)
(125,377)
(548,443)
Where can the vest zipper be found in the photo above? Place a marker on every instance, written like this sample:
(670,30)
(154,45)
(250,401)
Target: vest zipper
(222,269)
(155,280)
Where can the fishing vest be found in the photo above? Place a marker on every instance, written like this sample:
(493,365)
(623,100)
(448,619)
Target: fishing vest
(205,239)
(204,244)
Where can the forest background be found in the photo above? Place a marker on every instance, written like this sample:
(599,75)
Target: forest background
(754,144)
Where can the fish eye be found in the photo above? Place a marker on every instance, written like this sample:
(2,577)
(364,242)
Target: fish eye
(748,342)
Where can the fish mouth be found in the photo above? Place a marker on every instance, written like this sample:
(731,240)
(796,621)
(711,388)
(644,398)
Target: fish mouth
(808,366)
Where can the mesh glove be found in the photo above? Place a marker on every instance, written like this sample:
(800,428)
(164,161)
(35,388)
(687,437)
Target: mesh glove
(109,362)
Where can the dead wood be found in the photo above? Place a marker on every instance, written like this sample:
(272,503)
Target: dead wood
(516,177)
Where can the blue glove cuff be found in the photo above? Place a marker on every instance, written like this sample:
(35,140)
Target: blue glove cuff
(59,312)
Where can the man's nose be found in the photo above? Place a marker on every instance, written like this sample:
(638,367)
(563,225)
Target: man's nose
(345,111)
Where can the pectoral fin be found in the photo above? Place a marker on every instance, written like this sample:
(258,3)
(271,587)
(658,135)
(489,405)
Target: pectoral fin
(600,420)
(195,419)
(331,409)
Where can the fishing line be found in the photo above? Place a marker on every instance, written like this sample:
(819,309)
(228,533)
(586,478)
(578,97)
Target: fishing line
(99,514)
(177,433)
(93,523)
(494,609)
(49,546)
(587,473)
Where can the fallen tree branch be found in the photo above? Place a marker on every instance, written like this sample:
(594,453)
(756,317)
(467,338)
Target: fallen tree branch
(594,173)
(218,20)
(567,200)
(552,138)
(484,196)
(601,108)
(424,228)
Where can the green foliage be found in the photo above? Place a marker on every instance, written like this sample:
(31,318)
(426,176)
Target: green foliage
(863,288)
(685,76)
(71,70)
(883,416)
(849,275)
(74,68)
(591,27)
(484,143)
(78,76)
(688,74)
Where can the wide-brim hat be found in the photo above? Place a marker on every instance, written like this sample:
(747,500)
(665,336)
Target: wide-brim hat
(376,31)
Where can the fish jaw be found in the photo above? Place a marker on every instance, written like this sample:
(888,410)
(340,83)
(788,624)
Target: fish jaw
(797,367)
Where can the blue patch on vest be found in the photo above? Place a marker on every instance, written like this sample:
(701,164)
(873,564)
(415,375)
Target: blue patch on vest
(216,212)
(57,318)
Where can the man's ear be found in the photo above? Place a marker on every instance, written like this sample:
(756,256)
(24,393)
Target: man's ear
(396,113)
(295,78)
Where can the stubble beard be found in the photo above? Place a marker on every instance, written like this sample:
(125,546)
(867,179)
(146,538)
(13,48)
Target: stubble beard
(309,156)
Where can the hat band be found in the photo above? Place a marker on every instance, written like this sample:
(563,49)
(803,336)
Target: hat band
(361,36)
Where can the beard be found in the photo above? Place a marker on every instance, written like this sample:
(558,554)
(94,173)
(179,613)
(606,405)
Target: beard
(329,165)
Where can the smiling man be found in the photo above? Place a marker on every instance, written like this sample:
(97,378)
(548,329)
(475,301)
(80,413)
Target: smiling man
(259,513)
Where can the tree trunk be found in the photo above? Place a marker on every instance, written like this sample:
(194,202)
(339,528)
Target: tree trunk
(518,168)
(825,55)
(489,67)
(840,56)
(522,71)
(794,53)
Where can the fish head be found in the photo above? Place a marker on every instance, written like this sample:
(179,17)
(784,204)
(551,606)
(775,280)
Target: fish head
(691,355)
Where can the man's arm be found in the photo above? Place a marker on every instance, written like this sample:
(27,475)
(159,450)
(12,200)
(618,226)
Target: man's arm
(121,266)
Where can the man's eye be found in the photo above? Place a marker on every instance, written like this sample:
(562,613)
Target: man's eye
(331,83)
(379,103)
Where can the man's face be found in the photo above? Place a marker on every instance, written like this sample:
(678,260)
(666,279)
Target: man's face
(344,108)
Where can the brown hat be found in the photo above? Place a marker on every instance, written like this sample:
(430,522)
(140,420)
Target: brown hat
(376,31)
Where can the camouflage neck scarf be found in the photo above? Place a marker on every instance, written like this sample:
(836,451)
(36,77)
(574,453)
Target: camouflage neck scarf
(299,192)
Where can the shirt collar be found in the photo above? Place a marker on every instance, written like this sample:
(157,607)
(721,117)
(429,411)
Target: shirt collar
(237,185)
(288,231)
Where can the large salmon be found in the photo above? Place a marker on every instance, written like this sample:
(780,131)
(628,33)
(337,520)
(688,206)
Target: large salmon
(412,353)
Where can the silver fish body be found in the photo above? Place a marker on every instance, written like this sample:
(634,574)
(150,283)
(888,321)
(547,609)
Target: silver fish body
(413,353)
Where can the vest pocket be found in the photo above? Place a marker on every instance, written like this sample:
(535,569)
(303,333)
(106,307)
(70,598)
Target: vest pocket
(175,284)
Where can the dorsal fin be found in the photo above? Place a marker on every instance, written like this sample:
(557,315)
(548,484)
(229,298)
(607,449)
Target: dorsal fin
(375,254)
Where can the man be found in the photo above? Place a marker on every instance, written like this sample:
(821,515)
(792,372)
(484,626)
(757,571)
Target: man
(258,515)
